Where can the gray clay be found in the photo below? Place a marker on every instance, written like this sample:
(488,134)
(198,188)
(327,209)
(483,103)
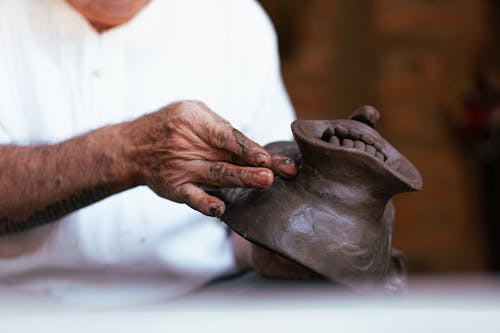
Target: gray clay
(335,217)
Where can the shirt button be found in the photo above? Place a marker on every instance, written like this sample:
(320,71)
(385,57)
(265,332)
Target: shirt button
(96,73)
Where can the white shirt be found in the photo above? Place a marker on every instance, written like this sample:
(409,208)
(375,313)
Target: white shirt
(59,78)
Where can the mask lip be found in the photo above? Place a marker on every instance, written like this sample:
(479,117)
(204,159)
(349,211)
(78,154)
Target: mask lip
(309,133)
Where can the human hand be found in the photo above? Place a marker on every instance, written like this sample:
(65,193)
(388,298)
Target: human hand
(265,262)
(186,144)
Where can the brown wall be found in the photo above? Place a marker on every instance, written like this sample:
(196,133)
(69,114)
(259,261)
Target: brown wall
(413,60)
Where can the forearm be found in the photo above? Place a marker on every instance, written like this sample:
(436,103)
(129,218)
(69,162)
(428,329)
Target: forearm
(39,184)
(172,150)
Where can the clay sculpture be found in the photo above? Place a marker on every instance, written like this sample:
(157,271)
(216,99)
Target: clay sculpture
(335,217)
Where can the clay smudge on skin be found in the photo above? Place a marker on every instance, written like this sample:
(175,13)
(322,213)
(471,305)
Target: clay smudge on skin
(241,141)
(218,171)
(54,210)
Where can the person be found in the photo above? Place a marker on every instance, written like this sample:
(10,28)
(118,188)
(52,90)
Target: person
(86,162)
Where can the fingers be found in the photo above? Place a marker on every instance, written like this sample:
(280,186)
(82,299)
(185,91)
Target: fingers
(222,135)
(199,200)
(220,174)
(246,151)
(226,174)
(219,134)
(283,165)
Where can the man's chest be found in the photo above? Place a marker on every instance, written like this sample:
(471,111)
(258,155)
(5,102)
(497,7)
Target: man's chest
(55,91)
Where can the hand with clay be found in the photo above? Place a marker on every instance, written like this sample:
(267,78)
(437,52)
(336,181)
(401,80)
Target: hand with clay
(187,144)
(173,151)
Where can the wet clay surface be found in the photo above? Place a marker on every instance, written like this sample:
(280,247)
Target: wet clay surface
(335,217)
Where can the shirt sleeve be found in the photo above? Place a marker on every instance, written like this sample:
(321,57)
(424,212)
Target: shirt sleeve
(274,113)
(4,138)
(272,110)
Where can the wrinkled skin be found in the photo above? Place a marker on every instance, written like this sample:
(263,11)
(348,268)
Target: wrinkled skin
(176,183)
(335,217)
(186,144)
(172,150)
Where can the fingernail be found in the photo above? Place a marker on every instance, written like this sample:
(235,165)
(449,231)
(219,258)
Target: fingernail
(263,178)
(287,161)
(288,168)
(262,159)
(216,209)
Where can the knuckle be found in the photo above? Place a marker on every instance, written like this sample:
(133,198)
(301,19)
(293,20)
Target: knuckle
(242,142)
(216,170)
(175,110)
(198,103)
(183,194)
(233,175)
(182,110)
(220,171)
(187,103)
(221,136)
(190,105)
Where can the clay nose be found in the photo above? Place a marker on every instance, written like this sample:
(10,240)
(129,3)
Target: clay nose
(366,114)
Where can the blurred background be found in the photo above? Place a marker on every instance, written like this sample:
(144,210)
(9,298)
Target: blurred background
(432,67)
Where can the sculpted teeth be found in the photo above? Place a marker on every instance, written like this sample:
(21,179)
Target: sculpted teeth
(379,156)
(359,145)
(334,140)
(348,143)
(341,136)
(341,131)
(367,139)
(327,134)
(370,150)
(355,136)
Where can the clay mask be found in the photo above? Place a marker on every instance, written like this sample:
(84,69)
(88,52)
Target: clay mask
(335,217)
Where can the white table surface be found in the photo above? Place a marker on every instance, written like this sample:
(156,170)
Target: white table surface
(452,303)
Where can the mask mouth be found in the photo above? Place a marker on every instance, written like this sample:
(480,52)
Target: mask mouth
(347,139)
